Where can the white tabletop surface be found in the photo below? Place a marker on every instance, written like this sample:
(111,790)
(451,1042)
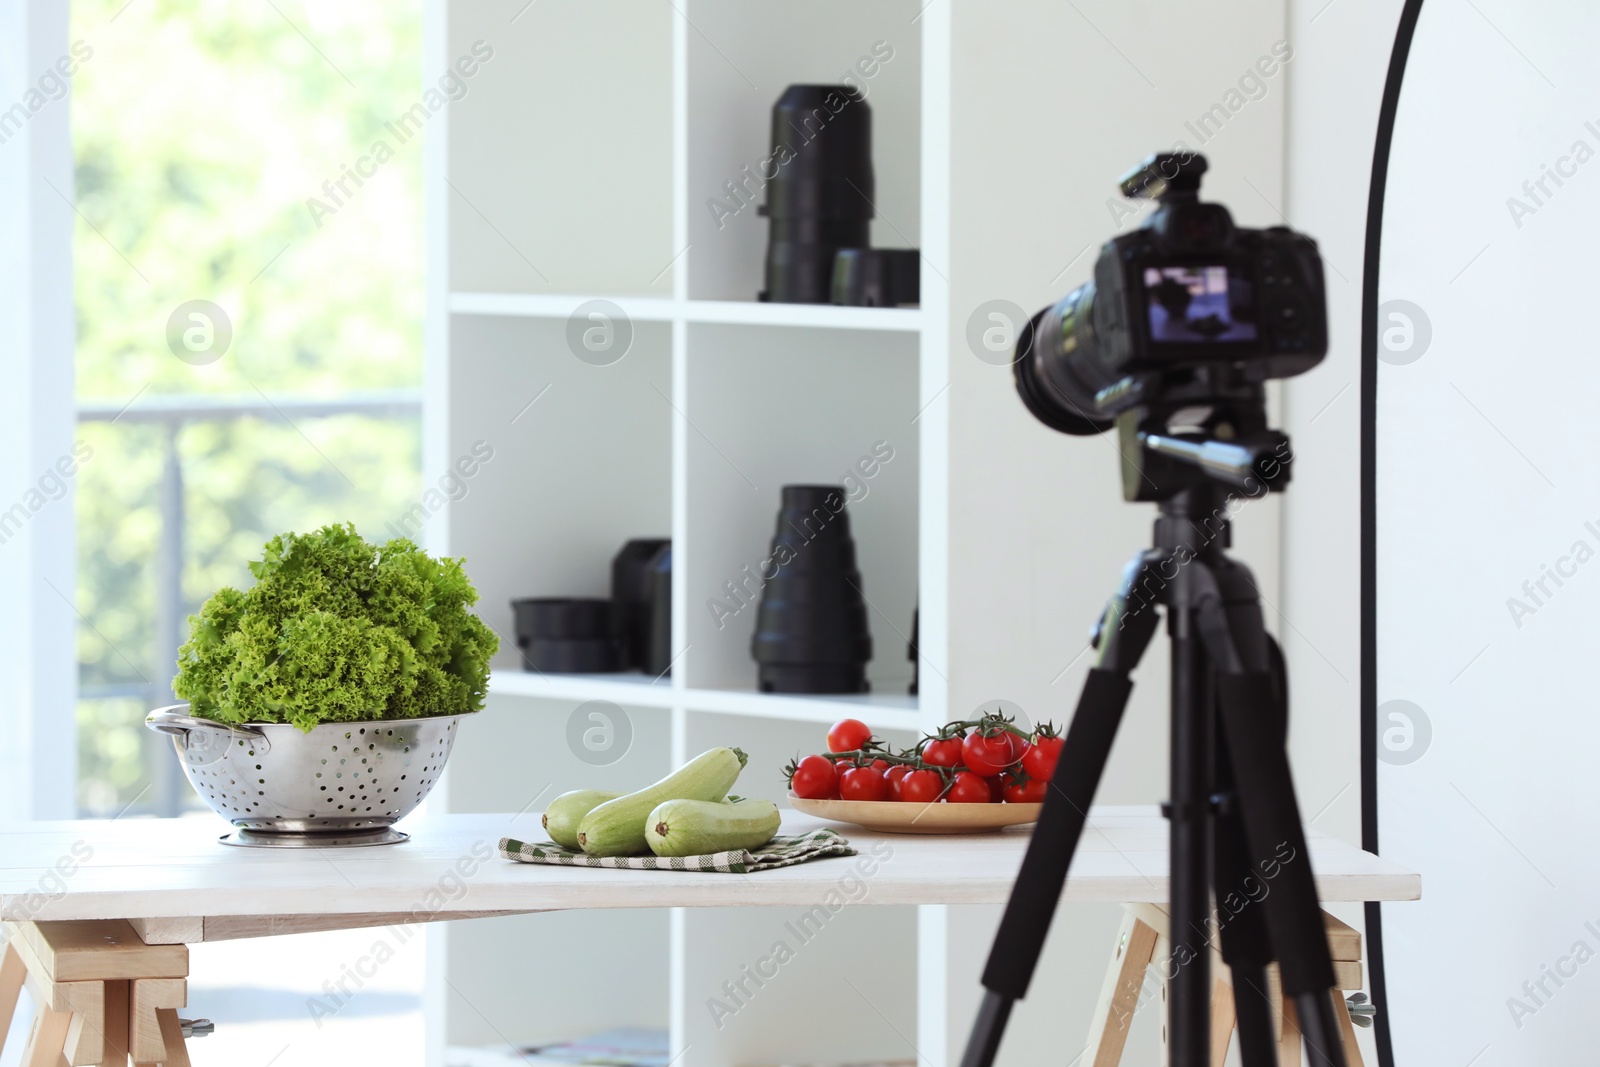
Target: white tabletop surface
(148,868)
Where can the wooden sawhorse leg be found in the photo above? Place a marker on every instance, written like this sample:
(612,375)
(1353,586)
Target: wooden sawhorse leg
(103,995)
(1142,939)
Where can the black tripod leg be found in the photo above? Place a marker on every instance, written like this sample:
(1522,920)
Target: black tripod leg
(1251,713)
(1020,938)
(1121,638)
(1276,844)
(1241,924)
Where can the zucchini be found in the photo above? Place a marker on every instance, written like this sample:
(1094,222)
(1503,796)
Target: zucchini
(616,828)
(700,828)
(561,818)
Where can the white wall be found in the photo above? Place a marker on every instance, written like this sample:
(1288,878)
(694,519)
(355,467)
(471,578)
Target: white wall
(38,627)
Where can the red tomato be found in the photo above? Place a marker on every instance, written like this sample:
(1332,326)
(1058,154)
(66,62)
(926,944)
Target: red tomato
(845,764)
(848,735)
(1030,792)
(997,786)
(946,753)
(987,756)
(969,788)
(919,787)
(815,779)
(1042,756)
(893,776)
(863,783)
(881,766)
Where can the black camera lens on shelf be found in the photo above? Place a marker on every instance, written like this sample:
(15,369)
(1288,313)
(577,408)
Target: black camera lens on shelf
(632,589)
(820,199)
(877,277)
(567,635)
(658,629)
(811,629)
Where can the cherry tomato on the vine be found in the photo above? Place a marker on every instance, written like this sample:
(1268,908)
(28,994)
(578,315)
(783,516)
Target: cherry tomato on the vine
(893,776)
(997,786)
(1042,756)
(863,783)
(946,753)
(919,787)
(815,779)
(1030,792)
(969,788)
(987,756)
(847,735)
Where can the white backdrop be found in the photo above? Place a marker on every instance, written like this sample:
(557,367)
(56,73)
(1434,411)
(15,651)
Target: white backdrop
(1488,502)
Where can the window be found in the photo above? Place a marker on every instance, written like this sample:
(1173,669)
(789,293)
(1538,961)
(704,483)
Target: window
(248,272)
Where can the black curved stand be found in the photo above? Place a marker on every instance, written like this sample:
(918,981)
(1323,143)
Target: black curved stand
(1369,512)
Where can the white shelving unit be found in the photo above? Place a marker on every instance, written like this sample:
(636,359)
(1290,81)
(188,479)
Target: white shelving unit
(550,187)
(578,166)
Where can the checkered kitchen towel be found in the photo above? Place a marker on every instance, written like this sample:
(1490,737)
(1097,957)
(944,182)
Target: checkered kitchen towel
(779,852)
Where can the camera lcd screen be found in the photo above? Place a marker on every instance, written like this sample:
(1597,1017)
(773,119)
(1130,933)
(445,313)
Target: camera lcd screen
(1206,304)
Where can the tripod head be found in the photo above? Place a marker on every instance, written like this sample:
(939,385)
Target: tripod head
(1171,447)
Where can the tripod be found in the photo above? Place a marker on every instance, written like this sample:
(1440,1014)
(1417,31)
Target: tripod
(1232,811)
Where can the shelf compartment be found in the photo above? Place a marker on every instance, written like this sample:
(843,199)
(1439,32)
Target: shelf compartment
(741,56)
(572,111)
(582,459)
(769,406)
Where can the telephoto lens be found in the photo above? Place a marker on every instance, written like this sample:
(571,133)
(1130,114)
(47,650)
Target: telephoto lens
(820,200)
(811,631)
(658,628)
(632,588)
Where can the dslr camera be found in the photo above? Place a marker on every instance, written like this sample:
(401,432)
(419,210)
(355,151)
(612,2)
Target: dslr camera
(1171,343)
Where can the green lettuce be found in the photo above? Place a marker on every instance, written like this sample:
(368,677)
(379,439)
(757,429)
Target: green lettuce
(338,630)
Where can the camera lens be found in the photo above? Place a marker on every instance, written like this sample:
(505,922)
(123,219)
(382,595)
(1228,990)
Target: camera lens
(1048,382)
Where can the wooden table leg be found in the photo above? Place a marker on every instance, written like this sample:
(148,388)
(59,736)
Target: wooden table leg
(48,1040)
(118,1033)
(150,997)
(1347,1032)
(1222,1021)
(12,974)
(172,1037)
(1289,1042)
(1119,995)
(86,1037)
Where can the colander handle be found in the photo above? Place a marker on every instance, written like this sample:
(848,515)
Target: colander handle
(173,721)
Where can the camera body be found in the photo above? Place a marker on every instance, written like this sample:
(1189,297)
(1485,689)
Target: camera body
(1188,309)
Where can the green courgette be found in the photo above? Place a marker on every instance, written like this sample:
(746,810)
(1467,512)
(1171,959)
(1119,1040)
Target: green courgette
(616,828)
(566,811)
(700,828)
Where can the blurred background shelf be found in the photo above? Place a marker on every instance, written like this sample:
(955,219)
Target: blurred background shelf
(659,309)
(640,690)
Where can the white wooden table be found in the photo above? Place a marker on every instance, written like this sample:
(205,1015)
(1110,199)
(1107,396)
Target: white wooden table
(177,884)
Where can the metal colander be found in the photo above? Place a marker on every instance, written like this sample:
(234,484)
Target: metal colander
(344,782)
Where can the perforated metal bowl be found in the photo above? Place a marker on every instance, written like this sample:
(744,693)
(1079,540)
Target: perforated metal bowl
(343,783)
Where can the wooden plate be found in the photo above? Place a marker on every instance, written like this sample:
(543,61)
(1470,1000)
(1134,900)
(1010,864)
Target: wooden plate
(895,817)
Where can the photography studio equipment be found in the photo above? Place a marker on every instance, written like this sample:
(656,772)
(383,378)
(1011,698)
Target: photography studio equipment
(811,628)
(1171,345)
(820,196)
(632,585)
(567,635)
(658,628)
(877,277)
(1188,306)
(820,199)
